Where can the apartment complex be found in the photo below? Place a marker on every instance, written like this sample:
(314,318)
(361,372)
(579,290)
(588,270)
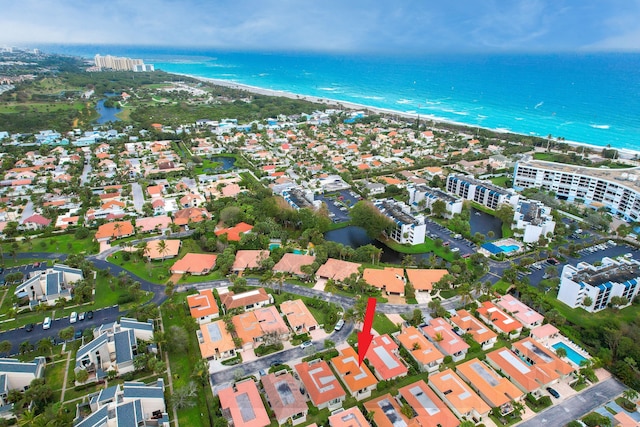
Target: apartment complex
(116,63)
(618,190)
(534,220)
(600,283)
(423,197)
(480,192)
(408,229)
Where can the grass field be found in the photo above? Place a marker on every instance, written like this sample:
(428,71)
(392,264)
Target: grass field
(383,325)
(428,246)
(64,243)
(501,181)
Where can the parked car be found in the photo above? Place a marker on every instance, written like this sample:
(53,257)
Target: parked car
(276,363)
(306,344)
(47,323)
(553,392)
(339,325)
(90,314)
(78,334)
(28,327)
(81,316)
(73,318)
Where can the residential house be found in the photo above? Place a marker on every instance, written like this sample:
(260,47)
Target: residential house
(36,222)
(245,301)
(534,353)
(195,264)
(292,264)
(260,325)
(298,316)
(337,269)
(351,417)
(191,200)
(234,234)
(47,286)
(446,340)
(283,395)
(248,259)
(496,390)
(528,378)
(423,351)
(386,411)
(389,279)
(157,251)
(154,224)
(114,230)
(423,280)
(383,356)
(499,320)
(544,333)
(525,315)
(241,405)
(458,396)
(216,343)
(357,377)
(430,409)
(321,385)
(184,216)
(203,306)
(130,404)
(478,330)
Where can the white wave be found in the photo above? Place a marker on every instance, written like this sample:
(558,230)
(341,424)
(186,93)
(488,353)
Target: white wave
(538,105)
(263,74)
(377,98)
(518,118)
(329,89)
(403,101)
(502,130)
(600,126)
(410,111)
(459,113)
(481,116)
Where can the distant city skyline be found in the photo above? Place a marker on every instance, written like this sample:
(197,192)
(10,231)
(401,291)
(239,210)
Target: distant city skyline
(413,26)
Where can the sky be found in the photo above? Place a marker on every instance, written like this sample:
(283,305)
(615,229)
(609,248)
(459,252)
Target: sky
(414,26)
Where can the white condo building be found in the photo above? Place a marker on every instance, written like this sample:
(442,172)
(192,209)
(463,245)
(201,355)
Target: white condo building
(423,197)
(618,190)
(121,64)
(534,219)
(600,283)
(480,192)
(409,229)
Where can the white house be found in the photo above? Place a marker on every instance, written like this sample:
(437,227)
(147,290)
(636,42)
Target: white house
(49,285)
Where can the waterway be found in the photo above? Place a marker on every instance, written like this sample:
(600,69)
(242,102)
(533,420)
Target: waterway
(356,236)
(106,114)
(227,163)
(482,222)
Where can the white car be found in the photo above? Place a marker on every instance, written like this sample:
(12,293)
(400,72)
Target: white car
(47,323)
(306,344)
(73,318)
(339,325)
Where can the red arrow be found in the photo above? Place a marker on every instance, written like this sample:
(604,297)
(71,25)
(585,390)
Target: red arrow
(365,337)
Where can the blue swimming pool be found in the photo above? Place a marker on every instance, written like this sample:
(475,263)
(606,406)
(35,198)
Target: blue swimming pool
(509,248)
(573,355)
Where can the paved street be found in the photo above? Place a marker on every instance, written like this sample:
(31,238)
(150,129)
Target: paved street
(138,196)
(577,406)
(86,170)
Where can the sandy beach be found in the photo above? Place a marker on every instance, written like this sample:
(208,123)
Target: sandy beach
(623,153)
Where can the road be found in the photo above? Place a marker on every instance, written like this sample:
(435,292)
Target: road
(577,406)
(84,178)
(28,211)
(138,196)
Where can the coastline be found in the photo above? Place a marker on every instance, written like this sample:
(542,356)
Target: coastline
(623,153)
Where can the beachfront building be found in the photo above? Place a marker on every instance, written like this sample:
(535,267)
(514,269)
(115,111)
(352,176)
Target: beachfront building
(533,220)
(446,340)
(358,378)
(494,389)
(481,192)
(283,395)
(612,278)
(321,385)
(617,190)
(459,397)
(409,229)
(478,330)
(423,197)
(241,405)
(49,285)
(520,311)
(421,349)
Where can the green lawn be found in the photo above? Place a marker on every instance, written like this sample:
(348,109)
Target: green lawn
(501,287)
(207,166)
(501,181)
(64,243)
(54,374)
(155,272)
(428,246)
(383,325)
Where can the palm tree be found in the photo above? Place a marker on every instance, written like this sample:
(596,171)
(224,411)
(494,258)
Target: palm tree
(45,345)
(561,352)
(163,249)
(630,394)
(5,347)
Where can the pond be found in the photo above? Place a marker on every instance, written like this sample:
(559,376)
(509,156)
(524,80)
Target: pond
(356,236)
(106,114)
(227,163)
(482,222)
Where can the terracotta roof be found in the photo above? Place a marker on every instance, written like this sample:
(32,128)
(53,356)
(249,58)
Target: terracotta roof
(231,190)
(319,381)
(153,223)
(386,411)
(467,323)
(419,346)
(195,263)
(430,408)
(155,190)
(270,320)
(382,355)
(292,263)
(37,219)
(498,318)
(115,229)
(423,279)
(543,331)
(203,304)
(183,216)
(244,405)
(230,301)
(337,269)
(283,395)
(355,377)
(351,417)
(526,315)
(298,315)
(458,394)
(542,357)
(234,233)
(390,279)
(493,388)
(249,259)
(215,339)
(528,378)
(172,247)
(441,333)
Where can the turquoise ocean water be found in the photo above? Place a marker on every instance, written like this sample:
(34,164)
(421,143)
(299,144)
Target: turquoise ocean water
(589,98)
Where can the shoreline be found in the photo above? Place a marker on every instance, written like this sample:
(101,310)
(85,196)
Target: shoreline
(623,153)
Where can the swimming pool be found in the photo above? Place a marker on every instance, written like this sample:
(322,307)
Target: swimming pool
(272,246)
(509,248)
(573,355)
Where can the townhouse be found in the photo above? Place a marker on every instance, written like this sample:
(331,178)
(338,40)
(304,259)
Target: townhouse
(241,405)
(215,341)
(383,357)
(496,390)
(429,408)
(245,301)
(499,320)
(357,378)
(321,385)
(520,311)
(47,286)
(478,330)
(421,349)
(445,339)
(458,396)
(203,306)
(283,395)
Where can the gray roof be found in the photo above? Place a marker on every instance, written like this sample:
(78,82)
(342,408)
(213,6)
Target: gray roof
(14,366)
(107,394)
(23,286)
(97,419)
(92,346)
(129,414)
(128,323)
(66,269)
(3,383)
(143,391)
(124,340)
(53,283)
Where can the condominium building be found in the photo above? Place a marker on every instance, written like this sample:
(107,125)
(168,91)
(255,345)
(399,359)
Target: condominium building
(408,229)
(480,192)
(121,64)
(618,190)
(423,197)
(533,219)
(599,283)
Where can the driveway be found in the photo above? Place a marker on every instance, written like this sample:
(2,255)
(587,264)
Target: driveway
(84,178)
(138,196)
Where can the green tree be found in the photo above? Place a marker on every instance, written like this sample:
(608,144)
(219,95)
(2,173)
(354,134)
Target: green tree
(561,352)
(505,213)
(82,376)
(45,345)
(364,214)
(5,347)
(439,208)
(66,333)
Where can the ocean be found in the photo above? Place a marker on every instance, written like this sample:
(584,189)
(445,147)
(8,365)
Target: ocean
(591,98)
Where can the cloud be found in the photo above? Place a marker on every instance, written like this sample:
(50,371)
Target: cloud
(330,25)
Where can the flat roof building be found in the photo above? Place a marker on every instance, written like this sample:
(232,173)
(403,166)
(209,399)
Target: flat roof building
(242,405)
(203,306)
(423,351)
(496,390)
(430,409)
(460,398)
(522,312)
(478,330)
(441,333)
(383,356)
(321,384)
(499,320)
(284,397)
(386,412)
(358,378)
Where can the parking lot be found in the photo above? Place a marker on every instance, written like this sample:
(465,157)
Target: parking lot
(340,204)
(456,243)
